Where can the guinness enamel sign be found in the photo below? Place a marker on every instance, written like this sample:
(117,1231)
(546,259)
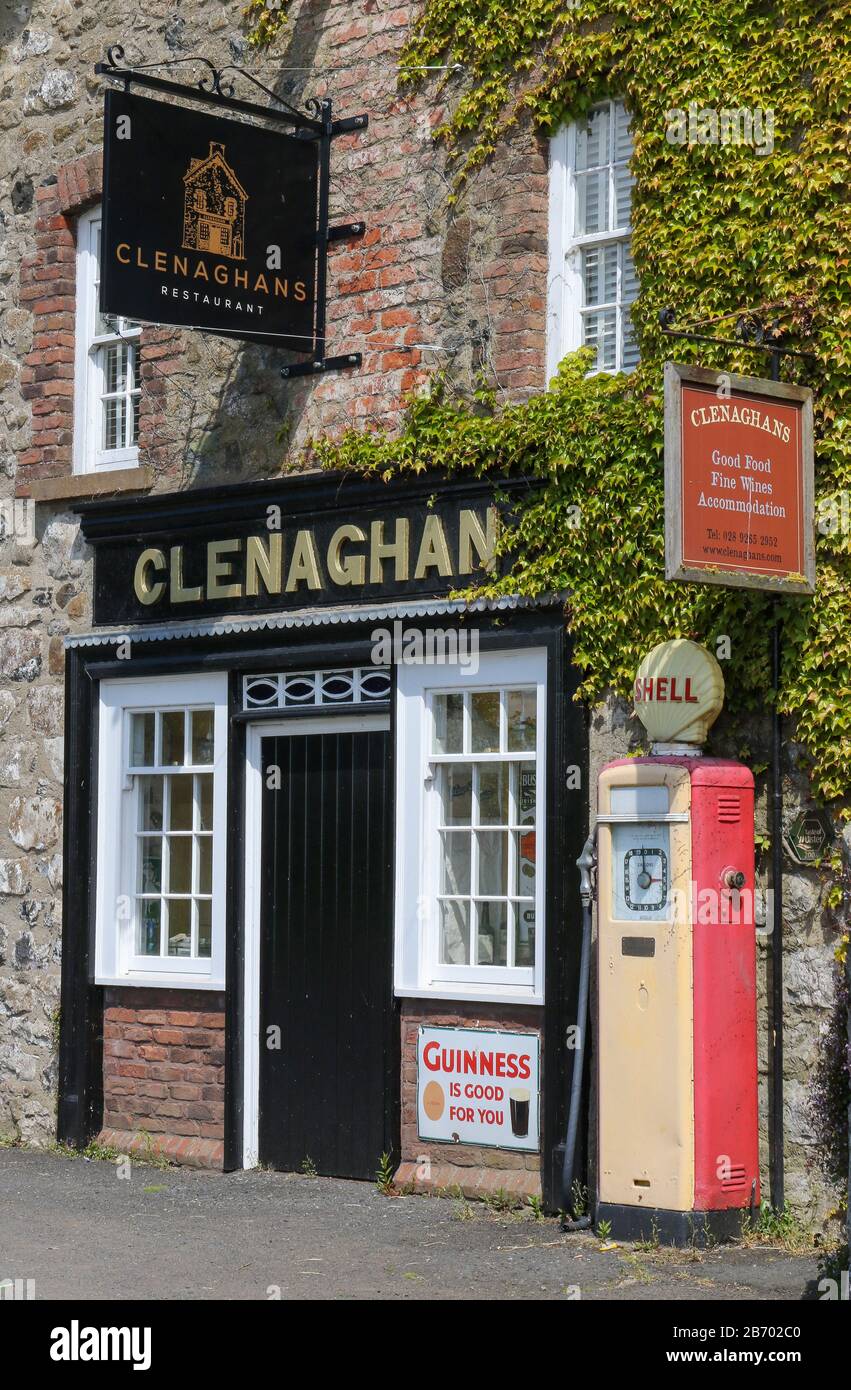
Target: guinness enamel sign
(208,223)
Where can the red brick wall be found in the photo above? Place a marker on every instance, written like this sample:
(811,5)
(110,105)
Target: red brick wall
(475,1170)
(48,289)
(164,1073)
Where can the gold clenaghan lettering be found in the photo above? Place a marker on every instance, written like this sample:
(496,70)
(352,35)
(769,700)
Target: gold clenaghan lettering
(219,569)
(177,592)
(473,536)
(304,564)
(381,550)
(350,569)
(434,552)
(263,563)
(145,588)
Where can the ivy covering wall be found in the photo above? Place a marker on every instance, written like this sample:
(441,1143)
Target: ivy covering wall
(715,228)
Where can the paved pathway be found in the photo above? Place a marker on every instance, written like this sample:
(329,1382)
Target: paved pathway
(81,1232)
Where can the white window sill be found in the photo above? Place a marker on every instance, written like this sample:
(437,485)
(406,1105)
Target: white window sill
(472,994)
(161,981)
(108,463)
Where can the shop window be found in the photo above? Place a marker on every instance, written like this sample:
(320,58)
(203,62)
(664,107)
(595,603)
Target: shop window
(469,881)
(592,279)
(107,390)
(161,807)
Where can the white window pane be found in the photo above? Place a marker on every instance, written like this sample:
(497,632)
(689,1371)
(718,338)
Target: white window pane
(142,740)
(448,723)
(454,933)
(492,934)
(180,803)
(592,203)
(525,860)
(493,863)
(114,360)
(204,909)
(179,926)
(629,282)
(484,721)
(592,139)
(104,323)
(630,346)
(456,794)
(205,864)
(180,864)
(150,803)
(150,863)
(622,137)
(455,863)
(148,931)
(623,195)
(134,417)
(493,793)
(600,275)
(522,720)
(524,934)
(173,740)
(114,423)
(600,332)
(202,736)
(526,795)
(205,801)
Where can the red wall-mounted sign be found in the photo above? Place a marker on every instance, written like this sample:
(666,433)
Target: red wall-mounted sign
(738,481)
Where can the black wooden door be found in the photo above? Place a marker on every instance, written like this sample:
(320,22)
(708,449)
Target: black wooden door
(329,1092)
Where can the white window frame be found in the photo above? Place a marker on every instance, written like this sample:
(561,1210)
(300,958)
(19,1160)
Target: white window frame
(115,960)
(417,972)
(89,456)
(565,289)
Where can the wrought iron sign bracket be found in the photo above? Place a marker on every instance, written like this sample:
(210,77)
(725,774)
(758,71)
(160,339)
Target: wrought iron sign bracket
(214,90)
(322,364)
(346,231)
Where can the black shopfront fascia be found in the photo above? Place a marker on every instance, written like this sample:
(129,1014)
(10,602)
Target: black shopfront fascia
(300,648)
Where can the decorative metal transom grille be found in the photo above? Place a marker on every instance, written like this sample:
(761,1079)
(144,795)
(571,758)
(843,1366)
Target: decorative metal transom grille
(358,685)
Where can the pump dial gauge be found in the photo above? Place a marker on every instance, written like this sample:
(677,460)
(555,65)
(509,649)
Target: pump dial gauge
(640,871)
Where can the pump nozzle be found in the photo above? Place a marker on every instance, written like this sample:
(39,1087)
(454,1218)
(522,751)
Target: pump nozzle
(587,865)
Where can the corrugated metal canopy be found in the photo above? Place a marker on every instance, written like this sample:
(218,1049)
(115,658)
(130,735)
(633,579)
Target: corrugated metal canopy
(308,617)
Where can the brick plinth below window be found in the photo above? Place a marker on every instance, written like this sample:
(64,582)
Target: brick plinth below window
(164,1073)
(474,1171)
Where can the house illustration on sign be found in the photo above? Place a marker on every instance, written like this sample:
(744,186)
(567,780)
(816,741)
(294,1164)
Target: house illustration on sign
(214,206)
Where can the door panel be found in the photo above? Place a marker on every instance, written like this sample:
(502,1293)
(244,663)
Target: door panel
(329,1093)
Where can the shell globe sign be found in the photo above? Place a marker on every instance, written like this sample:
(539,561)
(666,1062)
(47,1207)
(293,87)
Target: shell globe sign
(678,692)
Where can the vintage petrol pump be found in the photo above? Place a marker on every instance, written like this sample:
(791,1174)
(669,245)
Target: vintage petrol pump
(677,1062)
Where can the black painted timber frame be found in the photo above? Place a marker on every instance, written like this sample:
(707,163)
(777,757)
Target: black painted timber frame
(81,1036)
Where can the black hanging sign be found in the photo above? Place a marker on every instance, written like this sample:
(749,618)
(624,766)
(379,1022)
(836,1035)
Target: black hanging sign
(209,223)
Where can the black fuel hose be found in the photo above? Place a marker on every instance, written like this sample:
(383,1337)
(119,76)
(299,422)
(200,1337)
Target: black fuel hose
(568,1170)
